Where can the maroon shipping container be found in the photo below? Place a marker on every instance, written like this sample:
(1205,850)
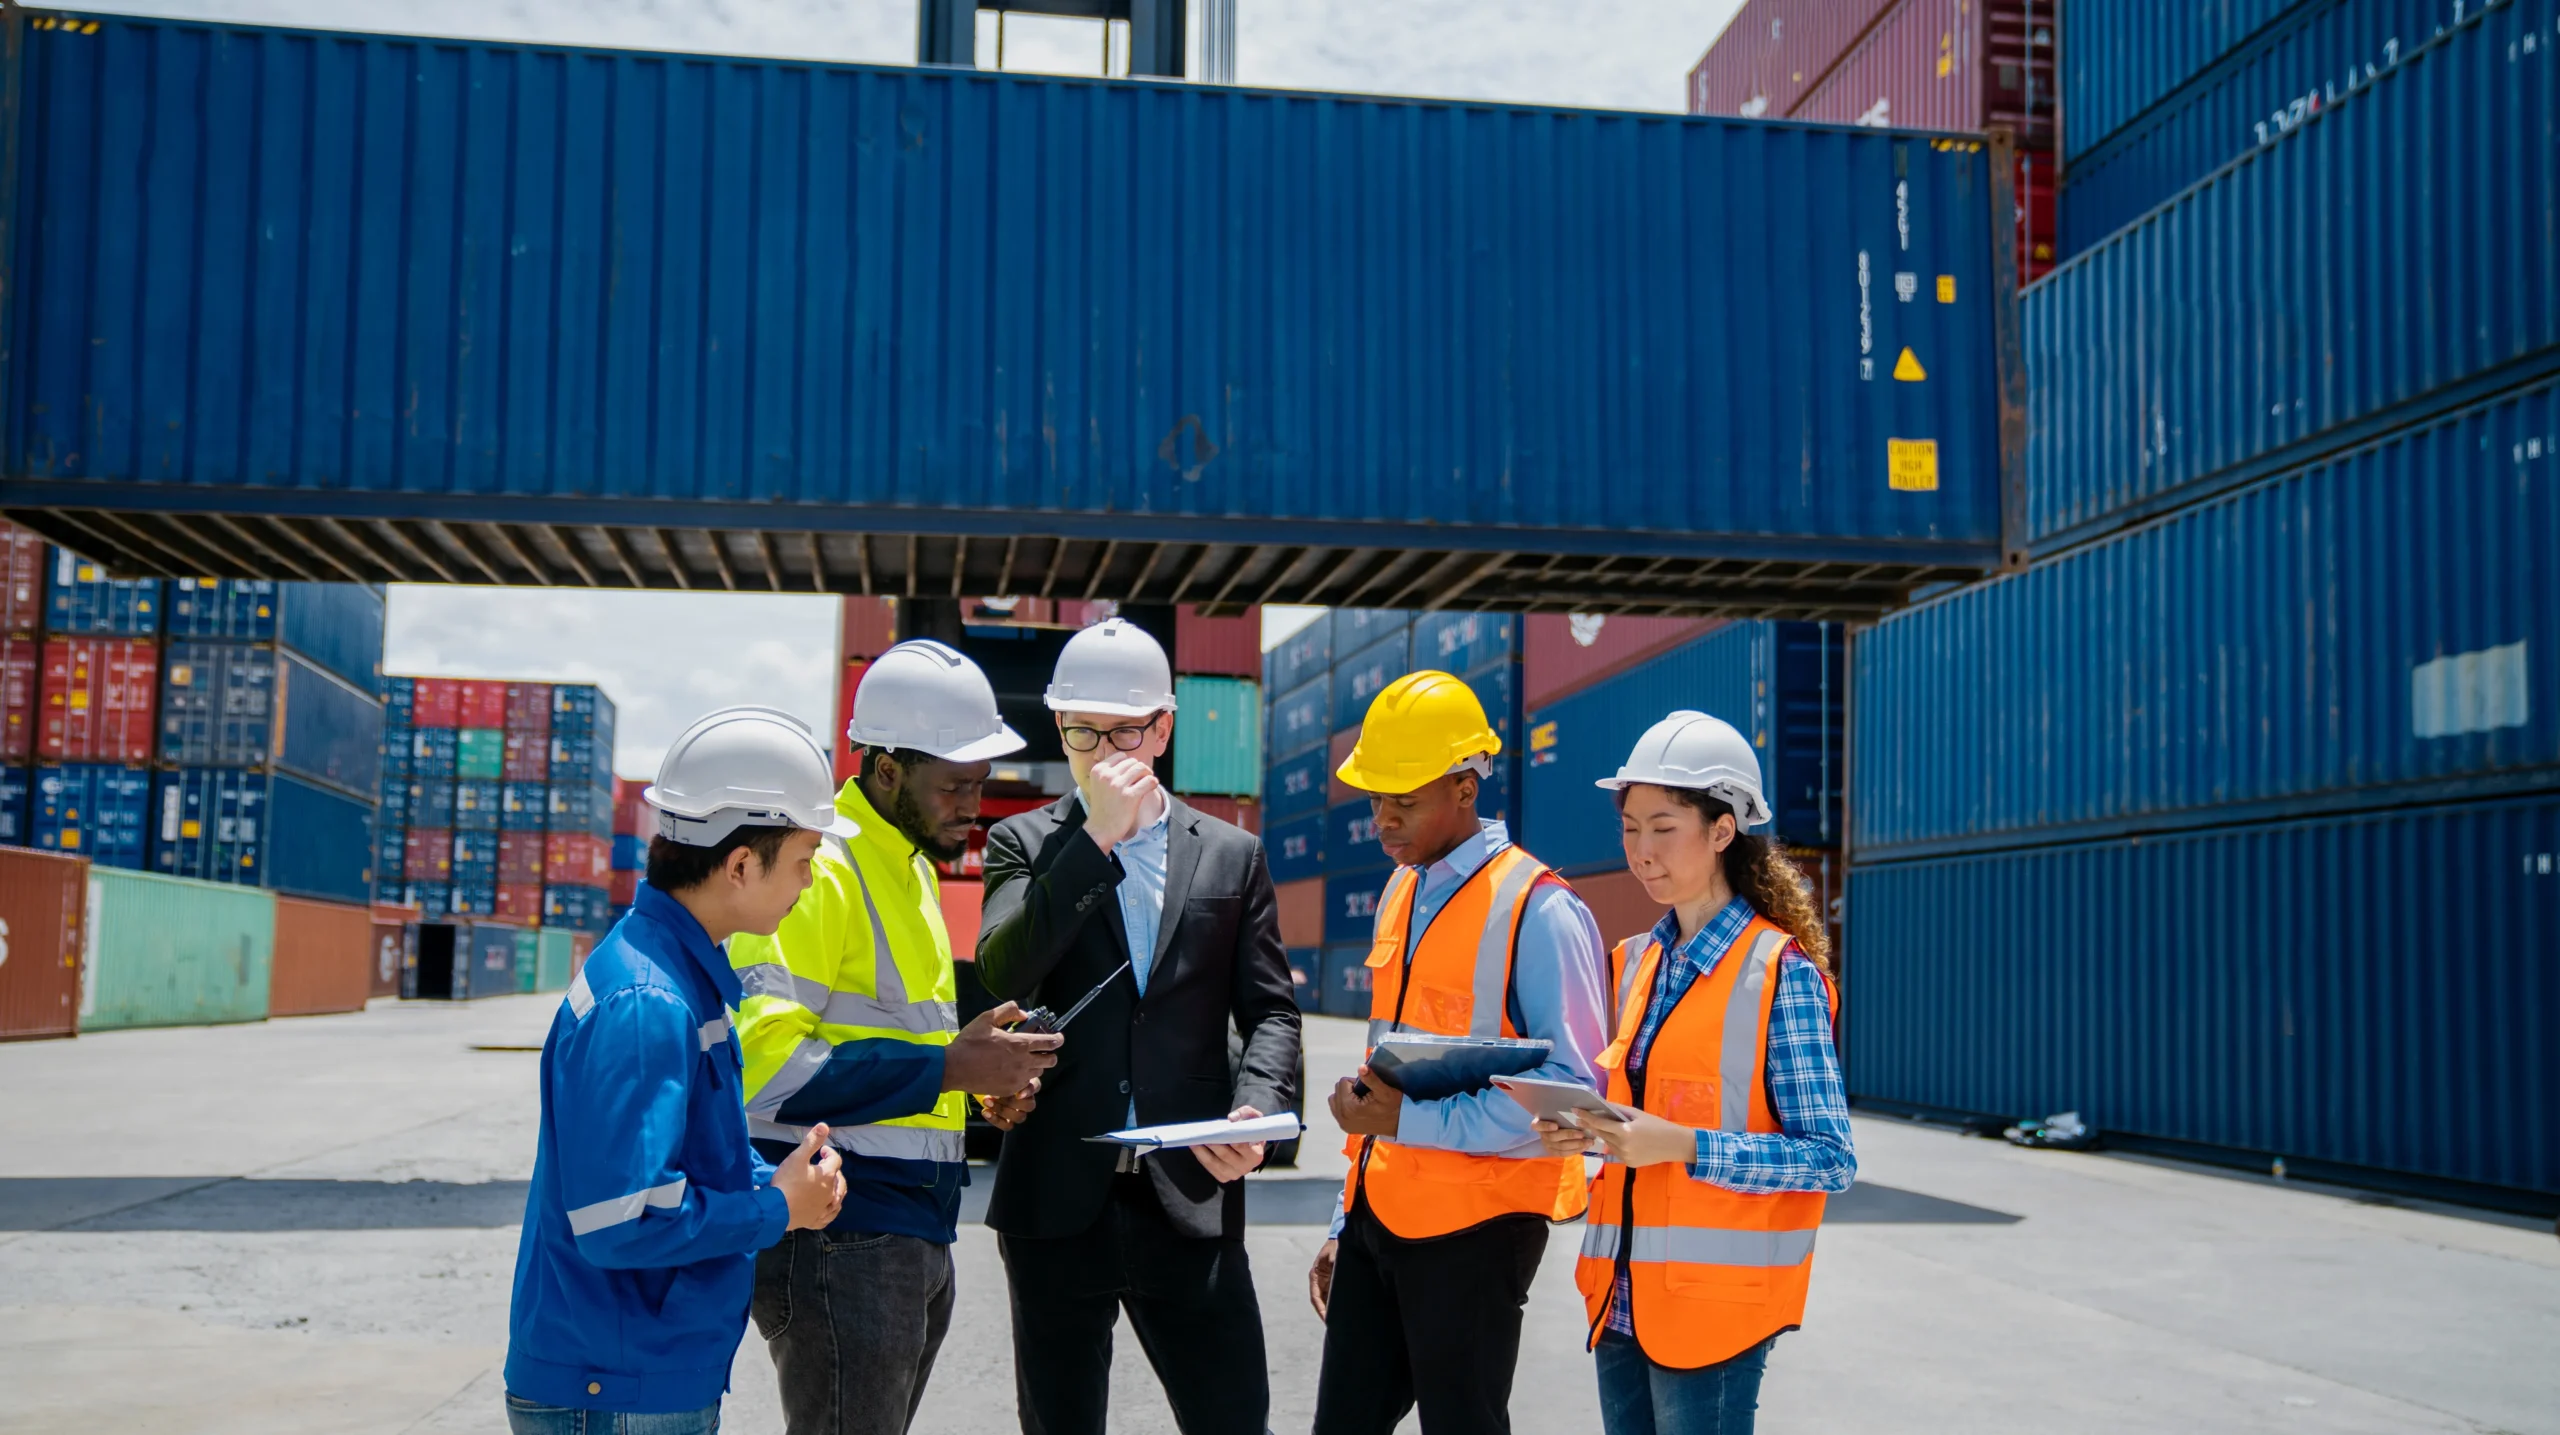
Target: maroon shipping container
(1232,810)
(631,812)
(870,626)
(1774,52)
(624,889)
(390,922)
(1230,647)
(43,896)
(528,709)
(426,855)
(1561,654)
(437,702)
(21,677)
(324,958)
(519,902)
(21,581)
(520,857)
(1947,65)
(528,755)
(480,704)
(576,859)
(97,700)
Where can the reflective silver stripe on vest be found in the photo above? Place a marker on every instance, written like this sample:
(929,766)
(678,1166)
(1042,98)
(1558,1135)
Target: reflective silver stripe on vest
(803,1063)
(1702,1246)
(1743,1029)
(894,1143)
(586,1220)
(1493,948)
(1637,949)
(890,1009)
(581,1000)
(713,1032)
(773,979)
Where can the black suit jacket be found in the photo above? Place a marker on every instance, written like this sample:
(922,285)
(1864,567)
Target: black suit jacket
(1052,929)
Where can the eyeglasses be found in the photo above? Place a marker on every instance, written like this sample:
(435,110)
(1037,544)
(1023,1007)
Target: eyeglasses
(1127,739)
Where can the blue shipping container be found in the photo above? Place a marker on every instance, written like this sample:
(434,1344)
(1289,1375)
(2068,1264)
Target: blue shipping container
(1357,628)
(94,810)
(336,625)
(429,897)
(2319,53)
(1304,654)
(2384,262)
(434,751)
(1366,673)
(2384,628)
(1301,719)
(1306,970)
(1346,980)
(1304,317)
(524,806)
(431,802)
(1295,848)
(327,729)
(2122,57)
(319,842)
(1351,905)
(1780,683)
(390,853)
(399,704)
(1351,839)
(579,758)
(580,809)
(399,760)
(1295,786)
(1465,643)
(81,599)
(17,789)
(475,804)
(580,909)
(630,852)
(211,824)
(247,705)
(2313,1023)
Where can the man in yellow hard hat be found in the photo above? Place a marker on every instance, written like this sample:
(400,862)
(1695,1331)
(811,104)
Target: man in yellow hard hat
(1445,1211)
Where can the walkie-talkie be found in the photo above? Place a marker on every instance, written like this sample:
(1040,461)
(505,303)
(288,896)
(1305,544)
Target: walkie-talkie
(1041,1021)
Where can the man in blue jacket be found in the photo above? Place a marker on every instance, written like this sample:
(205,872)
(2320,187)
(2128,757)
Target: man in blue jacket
(648,1204)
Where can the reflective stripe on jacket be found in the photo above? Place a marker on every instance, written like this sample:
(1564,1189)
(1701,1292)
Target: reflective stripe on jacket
(1455,984)
(1711,1272)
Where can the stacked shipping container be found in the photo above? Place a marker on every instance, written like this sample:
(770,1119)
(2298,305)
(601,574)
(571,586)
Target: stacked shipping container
(96,713)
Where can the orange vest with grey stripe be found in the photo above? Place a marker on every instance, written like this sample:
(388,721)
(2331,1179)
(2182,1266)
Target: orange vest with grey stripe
(1456,984)
(1711,1272)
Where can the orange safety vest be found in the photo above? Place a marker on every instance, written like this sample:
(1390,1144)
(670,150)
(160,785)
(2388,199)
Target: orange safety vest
(1454,985)
(1711,1272)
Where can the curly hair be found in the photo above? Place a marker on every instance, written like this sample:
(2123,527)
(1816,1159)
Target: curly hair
(1760,872)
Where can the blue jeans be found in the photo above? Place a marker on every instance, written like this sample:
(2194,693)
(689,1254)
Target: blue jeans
(526,1418)
(1638,1397)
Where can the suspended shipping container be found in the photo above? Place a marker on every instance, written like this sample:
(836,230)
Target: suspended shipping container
(2381,263)
(2374,630)
(2122,57)
(1773,53)
(2314,1020)
(1217,736)
(44,899)
(95,810)
(337,626)
(323,958)
(167,951)
(98,699)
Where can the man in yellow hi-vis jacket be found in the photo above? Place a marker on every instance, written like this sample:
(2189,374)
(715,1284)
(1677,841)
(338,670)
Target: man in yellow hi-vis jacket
(848,1019)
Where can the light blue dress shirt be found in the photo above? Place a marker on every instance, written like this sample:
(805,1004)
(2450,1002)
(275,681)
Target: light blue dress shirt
(1558,976)
(1141,894)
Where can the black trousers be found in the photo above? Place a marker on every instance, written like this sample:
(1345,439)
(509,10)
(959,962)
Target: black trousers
(1191,1302)
(1432,1323)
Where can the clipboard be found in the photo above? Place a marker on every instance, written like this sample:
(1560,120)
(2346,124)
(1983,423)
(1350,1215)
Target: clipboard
(1559,1101)
(1430,1068)
(1220,1132)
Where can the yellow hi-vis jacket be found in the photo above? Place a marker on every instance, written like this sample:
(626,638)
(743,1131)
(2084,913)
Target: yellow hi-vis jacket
(863,957)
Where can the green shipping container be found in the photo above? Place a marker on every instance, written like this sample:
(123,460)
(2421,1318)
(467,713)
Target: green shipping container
(558,953)
(1217,736)
(173,951)
(480,752)
(528,960)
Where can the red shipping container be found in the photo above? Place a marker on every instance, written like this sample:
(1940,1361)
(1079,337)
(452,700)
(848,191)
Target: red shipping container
(580,945)
(528,756)
(963,910)
(844,717)
(519,902)
(1232,810)
(1561,654)
(1962,65)
(437,702)
(521,856)
(1774,52)
(21,677)
(21,581)
(870,626)
(481,704)
(625,889)
(631,811)
(43,900)
(1217,646)
(97,700)
(576,859)
(390,944)
(426,855)
(528,707)
(323,958)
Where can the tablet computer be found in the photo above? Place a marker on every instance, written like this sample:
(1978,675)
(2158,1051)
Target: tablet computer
(1558,1100)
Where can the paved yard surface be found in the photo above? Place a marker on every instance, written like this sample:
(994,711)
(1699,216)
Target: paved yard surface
(309,1225)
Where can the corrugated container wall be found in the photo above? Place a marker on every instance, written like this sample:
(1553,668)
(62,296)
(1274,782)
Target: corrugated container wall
(97,698)
(82,601)
(2121,57)
(100,811)
(320,842)
(2316,55)
(1217,736)
(17,817)
(166,951)
(2259,318)
(1563,653)
(2307,1026)
(1373,317)
(2381,629)
(870,629)
(1302,655)
(323,958)
(21,582)
(1947,65)
(1772,53)
(44,898)
(21,686)
(1230,645)
(336,625)
(1295,847)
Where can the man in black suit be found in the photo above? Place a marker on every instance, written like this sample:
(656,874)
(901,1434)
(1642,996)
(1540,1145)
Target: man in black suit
(1121,874)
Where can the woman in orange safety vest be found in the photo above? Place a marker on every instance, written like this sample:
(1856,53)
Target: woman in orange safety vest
(1700,1239)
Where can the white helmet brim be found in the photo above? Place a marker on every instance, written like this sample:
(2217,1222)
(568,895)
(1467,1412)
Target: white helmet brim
(1003,742)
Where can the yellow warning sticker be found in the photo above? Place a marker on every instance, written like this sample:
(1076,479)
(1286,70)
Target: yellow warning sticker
(191,829)
(79,700)
(1907,368)
(1946,288)
(1911,464)
(70,840)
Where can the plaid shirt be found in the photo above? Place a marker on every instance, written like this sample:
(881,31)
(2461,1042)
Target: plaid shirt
(1812,1149)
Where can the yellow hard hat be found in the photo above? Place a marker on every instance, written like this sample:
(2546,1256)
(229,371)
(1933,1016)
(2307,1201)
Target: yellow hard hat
(1419,729)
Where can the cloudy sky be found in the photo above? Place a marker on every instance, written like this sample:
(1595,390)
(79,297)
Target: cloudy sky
(665,657)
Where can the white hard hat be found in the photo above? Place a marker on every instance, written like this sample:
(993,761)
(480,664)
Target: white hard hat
(1114,667)
(928,697)
(745,767)
(1706,754)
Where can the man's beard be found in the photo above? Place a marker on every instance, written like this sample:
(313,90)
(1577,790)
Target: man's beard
(908,815)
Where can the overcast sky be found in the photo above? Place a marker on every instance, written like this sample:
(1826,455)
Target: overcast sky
(666,658)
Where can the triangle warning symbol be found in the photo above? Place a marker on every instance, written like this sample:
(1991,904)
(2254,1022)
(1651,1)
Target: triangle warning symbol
(1907,368)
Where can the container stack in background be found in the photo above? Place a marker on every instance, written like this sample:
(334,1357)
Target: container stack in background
(1218,709)
(2233,822)
(21,678)
(1956,65)
(633,826)
(97,714)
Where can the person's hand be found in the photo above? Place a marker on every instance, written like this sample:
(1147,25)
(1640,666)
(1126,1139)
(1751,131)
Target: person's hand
(1225,1162)
(1006,1112)
(1375,1114)
(1115,798)
(811,1180)
(1560,1139)
(1648,1140)
(1320,1278)
(985,1057)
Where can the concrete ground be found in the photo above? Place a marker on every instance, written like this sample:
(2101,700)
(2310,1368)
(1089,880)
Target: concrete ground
(310,1225)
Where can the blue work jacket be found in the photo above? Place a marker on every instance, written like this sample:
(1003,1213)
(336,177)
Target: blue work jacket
(648,1204)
